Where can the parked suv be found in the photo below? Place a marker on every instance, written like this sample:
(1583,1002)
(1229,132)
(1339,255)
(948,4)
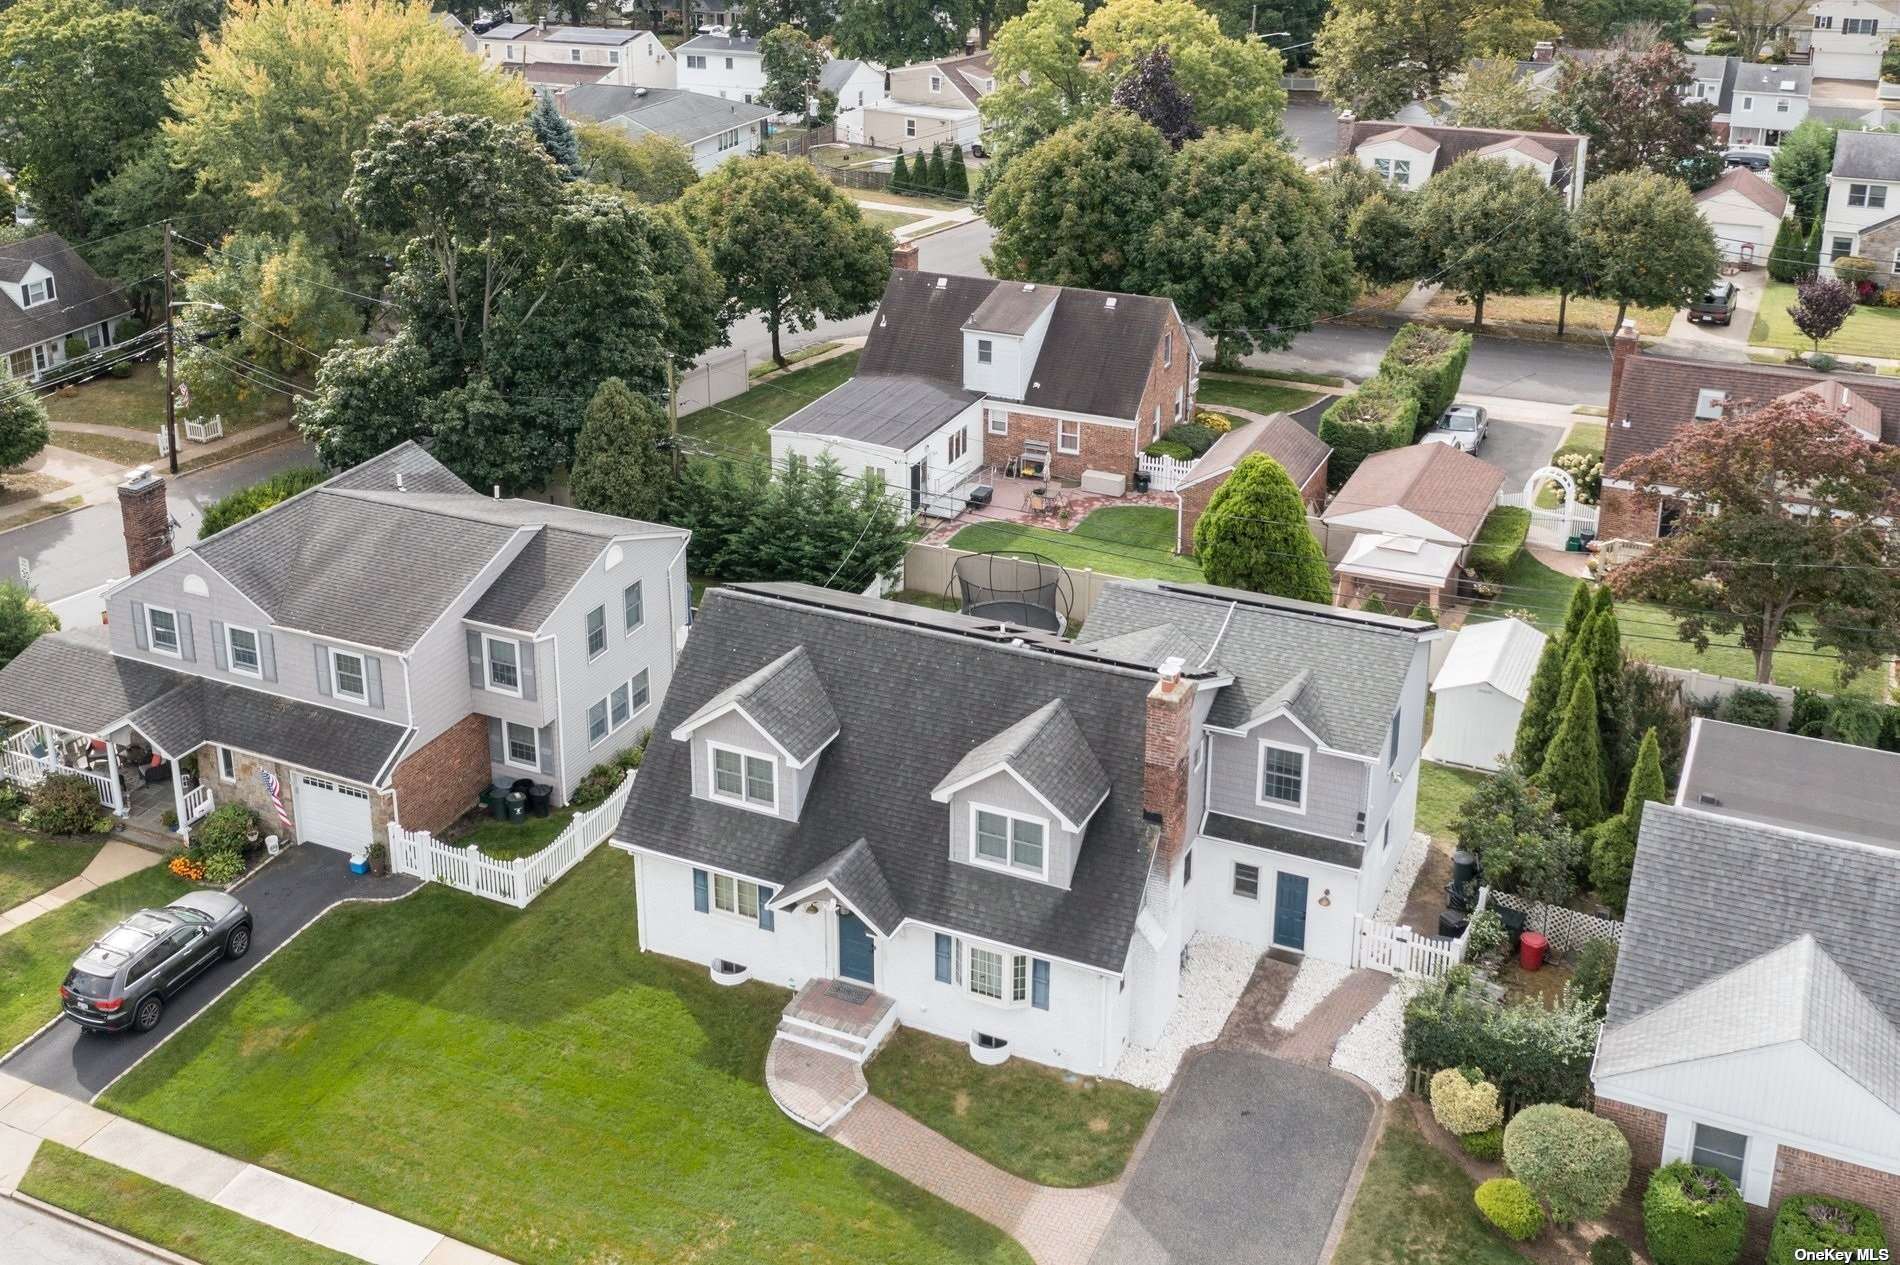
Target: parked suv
(1462,426)
(1717,306)
(125,978)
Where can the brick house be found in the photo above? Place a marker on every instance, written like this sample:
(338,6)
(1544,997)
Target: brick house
(1654,395)
(963,375)
(1754,1024)
(384,646)
(1300,453)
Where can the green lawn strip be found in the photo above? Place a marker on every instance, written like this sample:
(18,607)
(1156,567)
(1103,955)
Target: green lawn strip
(1260,397)
(1037,1122)
(138,404)
(742,422)
(1066,549)
(162,1215)
(1869,331)
(1284,375)
(531,1083)
(34,958)
(1584,437)
(504,840)
(29,866)
(1442,792)
(890,219)
(1414,1208)
(1139,526)
(792,357)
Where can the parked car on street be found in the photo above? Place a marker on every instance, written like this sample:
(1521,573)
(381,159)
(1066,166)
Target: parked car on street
(1462,426)
(1753,159)
(125,978)
(1717,306)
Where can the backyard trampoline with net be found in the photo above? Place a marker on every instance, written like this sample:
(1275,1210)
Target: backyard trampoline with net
(1014,588)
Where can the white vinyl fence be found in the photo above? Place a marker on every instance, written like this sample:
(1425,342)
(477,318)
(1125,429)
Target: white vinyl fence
(1399,950)
(514,882)
(1165,474)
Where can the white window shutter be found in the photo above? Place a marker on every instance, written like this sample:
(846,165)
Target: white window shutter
(1678,1138)
(1758,1171)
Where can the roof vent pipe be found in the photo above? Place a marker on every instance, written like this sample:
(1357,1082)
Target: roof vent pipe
(399,486)
(498,491)
(1170,669)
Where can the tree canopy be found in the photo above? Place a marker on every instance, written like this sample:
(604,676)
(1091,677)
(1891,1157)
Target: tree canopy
(1485,228)
(1233,83)
(1374,56)
(1632,107)
(792,62)
(23,428)
(1253,535)
(556,135)
(1801,165)
(620,466)
(899,32)
(1643,240)
(1152,94)
(1042,84)
(653,168)
(23,620)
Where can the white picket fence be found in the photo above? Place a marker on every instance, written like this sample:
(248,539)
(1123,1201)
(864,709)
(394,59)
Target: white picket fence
(512,882)
(1165,474)
(1399,950)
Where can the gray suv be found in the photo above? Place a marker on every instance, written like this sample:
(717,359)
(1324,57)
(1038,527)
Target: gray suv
(124,979)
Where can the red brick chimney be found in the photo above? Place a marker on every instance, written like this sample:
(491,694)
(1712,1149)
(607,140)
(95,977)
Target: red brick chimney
(1544,51)
(904,255)
(1625,345)
(1164,760)
(146,519)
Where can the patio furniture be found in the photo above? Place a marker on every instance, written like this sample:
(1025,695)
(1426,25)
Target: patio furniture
(980,496)
(155,772)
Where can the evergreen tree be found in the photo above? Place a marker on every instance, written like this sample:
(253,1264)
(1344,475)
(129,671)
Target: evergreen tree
(556,135)
(938,178)
(959,182)
(1253,535)
(900,176)
(1613,849)
(1602,600)
(1542,707)
(1572,773)
(1576,614)
(1373,604)
(620,466)
(1812,250)
(1789,261)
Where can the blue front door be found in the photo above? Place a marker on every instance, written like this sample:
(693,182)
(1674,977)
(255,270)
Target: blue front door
(855,950)
(1289,912)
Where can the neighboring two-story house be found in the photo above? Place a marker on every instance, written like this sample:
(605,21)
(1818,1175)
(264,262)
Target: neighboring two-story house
(1769,101)
(722,65)
(927,104)
(962,374)
(712,129)
(1863,202)
(1845,39)
(1405,156)
(554,58)
(53,295)
(1011,836)
(384,646)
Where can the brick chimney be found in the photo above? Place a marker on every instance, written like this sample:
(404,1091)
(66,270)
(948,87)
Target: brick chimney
(1344,131)
(1544,51)
(1625,345)
(146,519)
(1164,759)
(904,255)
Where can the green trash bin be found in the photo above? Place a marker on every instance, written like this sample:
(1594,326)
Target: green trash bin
(495,800)
(517,806)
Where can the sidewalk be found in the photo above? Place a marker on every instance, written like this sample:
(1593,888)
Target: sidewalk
(114,861)
(101,488)
(30,1115)
(932,222)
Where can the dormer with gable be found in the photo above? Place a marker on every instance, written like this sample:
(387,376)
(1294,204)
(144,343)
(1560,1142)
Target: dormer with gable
(53,296)
(756,745)
(1003,338)
(1403,157)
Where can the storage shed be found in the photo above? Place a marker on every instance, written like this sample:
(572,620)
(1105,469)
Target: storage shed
(1480,693)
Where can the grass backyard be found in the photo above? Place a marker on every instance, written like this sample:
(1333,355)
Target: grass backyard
(1581,316)
(1869,331)
(164,1216)
(504,840)
(1136,541)
(1027,1119)
(30,866)
(1442,792)
(1260,397)
(531,1083)
(1414,1207)
(742,422)
(137,403)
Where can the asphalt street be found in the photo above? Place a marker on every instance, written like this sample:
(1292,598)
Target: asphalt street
(33,1237)
(1551,373)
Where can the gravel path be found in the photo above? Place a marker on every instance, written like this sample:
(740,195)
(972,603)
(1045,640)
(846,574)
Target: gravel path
(1312,985)
(1392,904)
(1373,1050)
(1216,974)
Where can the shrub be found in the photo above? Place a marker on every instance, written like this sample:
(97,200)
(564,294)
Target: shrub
(1787,261)
(1531,1051)
(226,828)
(1507,1205)
(1596,971)
(1610,1250)
(1487,1146)
(1219,423)
(1196,438)
(603,778)
(66,804)
(1693,1216)
(1381,414)
(1576,1162)
(1585,470)
(222,867)
(1855,720)
(1821,360)
(1169,448)
(1890,297)
(1464,1102)
(257,498)
(1500,541)
(1486,933)
(1432,362)
(186,868)
(1758,709)
(1812,1224)
(1855,269)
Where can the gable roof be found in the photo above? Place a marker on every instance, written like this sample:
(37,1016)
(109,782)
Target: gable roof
(1780,779)
(1298,450)
(1408,136)
(674,112)
(1529,146)
(1867,155)
(557,72)
(1454,143)
(838,72)
(1048,754)
(855,875)
(1448,488)
(81,297)
(913,691)
(719,44)
(1501,653)
(1762,193)
(785,699)
(1789,80)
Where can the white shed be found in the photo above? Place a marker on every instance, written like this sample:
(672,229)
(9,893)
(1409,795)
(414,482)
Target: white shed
(1480,693)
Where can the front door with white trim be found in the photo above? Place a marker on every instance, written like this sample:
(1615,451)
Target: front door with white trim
(334,814)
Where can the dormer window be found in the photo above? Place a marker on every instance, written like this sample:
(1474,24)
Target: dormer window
(936,83)
(38,292)
(1282,777)
(740,777)
(504,664)
(985,351)
(1006,841)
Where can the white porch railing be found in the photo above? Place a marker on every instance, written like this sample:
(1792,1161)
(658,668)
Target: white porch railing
(1165,474)
(198,802)
(17,761)
(1399,950)
(514,882)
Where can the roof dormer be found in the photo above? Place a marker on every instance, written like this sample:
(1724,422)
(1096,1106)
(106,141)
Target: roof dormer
(1003,337)
(35,287)
(755,742)
(1857,410)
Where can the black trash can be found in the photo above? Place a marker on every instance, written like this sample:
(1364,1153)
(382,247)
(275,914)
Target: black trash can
(1451,924)
(517,806)
(1513,920)
(525,785)
(496,800)
(540,796)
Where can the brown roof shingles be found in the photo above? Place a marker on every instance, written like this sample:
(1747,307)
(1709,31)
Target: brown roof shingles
(1299,451)
(1751,186)
(1459,142)
(1452,489)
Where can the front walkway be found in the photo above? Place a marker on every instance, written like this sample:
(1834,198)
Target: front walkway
(113,862)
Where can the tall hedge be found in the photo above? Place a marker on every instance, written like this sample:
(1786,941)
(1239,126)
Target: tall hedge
(1381,414)
(1532,1052)
(1432,361)
(1693,1216)
(1788,260)
(1813,1224)
(257,498)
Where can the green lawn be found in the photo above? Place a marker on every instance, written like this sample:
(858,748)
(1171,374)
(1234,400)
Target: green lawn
(1261,397)
(30,866)
(741,423)
(1414,1208)
(1442,792)
(1585,437)
(1026,1119)
(1870,331)
(1128,541)
(505,840)
(162,1215)
(35,958)
(889,219)
(138,404)
(531,1083)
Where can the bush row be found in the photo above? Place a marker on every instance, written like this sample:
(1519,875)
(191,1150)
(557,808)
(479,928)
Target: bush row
(1432,361)
(1500,541)
(1381,414)
(1532,1052)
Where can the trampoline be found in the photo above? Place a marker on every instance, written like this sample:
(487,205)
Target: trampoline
(1020,588)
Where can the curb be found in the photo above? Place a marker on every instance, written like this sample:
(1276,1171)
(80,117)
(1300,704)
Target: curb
(103,1231)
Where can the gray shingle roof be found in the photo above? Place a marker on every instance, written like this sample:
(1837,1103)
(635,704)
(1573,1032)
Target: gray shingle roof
(1048,752)
(837,73)
(1012,309)
(1153,645)
(912,697)
(719,44)
(604,35)
(72,680)
(675,112)
(1867,155)
(409,460)
(1260,834)
(889,410)
(1455,143)
(1809,784)
(530,587)
(855,875)
(81,297)
(1783,80)
(1357,664)
(786,699)
(1304,698)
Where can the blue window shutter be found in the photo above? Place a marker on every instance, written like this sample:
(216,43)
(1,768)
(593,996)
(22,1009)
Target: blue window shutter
(944,949)
(702,899)
(1039,983)
(765,910)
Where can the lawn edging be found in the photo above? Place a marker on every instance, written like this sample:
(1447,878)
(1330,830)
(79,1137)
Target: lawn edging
(103,1231)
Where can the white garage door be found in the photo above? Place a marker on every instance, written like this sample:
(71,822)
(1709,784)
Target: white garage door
(1863,66)
(1742,241)
(334,814)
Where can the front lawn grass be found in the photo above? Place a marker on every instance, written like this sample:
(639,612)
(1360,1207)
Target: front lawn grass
(1414,1207)
(892,220)
(742,424)
(29,866)
(34,958)
(530,1082)
(504,840)
(1260,397)
(1869,331)
(162,1215)
(138,404)
(1442,792)
(1078,552)
(1039,1123)
(1582,317)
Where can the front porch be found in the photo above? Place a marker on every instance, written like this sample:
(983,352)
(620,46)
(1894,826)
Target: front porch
(827,1032)
(133,780)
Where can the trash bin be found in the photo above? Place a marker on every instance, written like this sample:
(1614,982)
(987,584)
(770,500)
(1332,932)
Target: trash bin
(525,785)
(517,806)
(1530,950)
(496,800)
(540,796)
(1513,920)
(1451,924)
(359,863)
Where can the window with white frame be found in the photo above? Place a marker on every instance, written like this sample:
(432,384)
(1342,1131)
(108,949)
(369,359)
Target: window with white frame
(936,83)
(728,63)
(613,57)
(995,975)
(633,611)
(695,61)
(1402,171)
(1860,26)
(1840,246)
(38,292)
(743,778)
(735,896)
(596,722)
(999,422)
(1781,105)
(1008,841)
(522,746)
(240,649)
(1068,435)
(227,764)
(1180,402)
(1282,776)
(1720,1150)
(1157,421)
(985,352)
(596,632)
(1167,349)
(910,127)
(1383,166)
(348,676)
(619,705)
(573,54)
(502,655)
(1867,195)
(161,629)
(95,338)
(1823,23)
(1246,881)
(514,54)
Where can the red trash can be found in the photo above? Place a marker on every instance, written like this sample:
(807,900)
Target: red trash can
(1530,950)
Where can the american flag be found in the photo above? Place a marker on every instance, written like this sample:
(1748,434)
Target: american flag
(276,790)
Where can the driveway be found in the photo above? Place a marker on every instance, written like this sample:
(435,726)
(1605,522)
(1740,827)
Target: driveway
(1720,342)
(284,897)
(1518,448)
(1247,1166)
(1525,369)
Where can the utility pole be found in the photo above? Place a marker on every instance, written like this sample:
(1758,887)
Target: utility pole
(672,413)
(171,363)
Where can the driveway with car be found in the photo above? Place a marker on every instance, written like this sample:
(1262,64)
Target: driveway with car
(283,897)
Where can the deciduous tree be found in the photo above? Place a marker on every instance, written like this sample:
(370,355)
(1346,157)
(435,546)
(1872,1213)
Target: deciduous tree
(1594,23)
(793,63)
(620,464)
(653,168)
(899,32)
(24,619)
(1041,83)
(1821,306)
(1151,94)
(1253,535)
(1632,107)
(1484,228)
(1374,56)
(1801,165)
(1232,83)
(814,17)
(1643,240)
(23,428)
(1493,94)
(1755,23)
